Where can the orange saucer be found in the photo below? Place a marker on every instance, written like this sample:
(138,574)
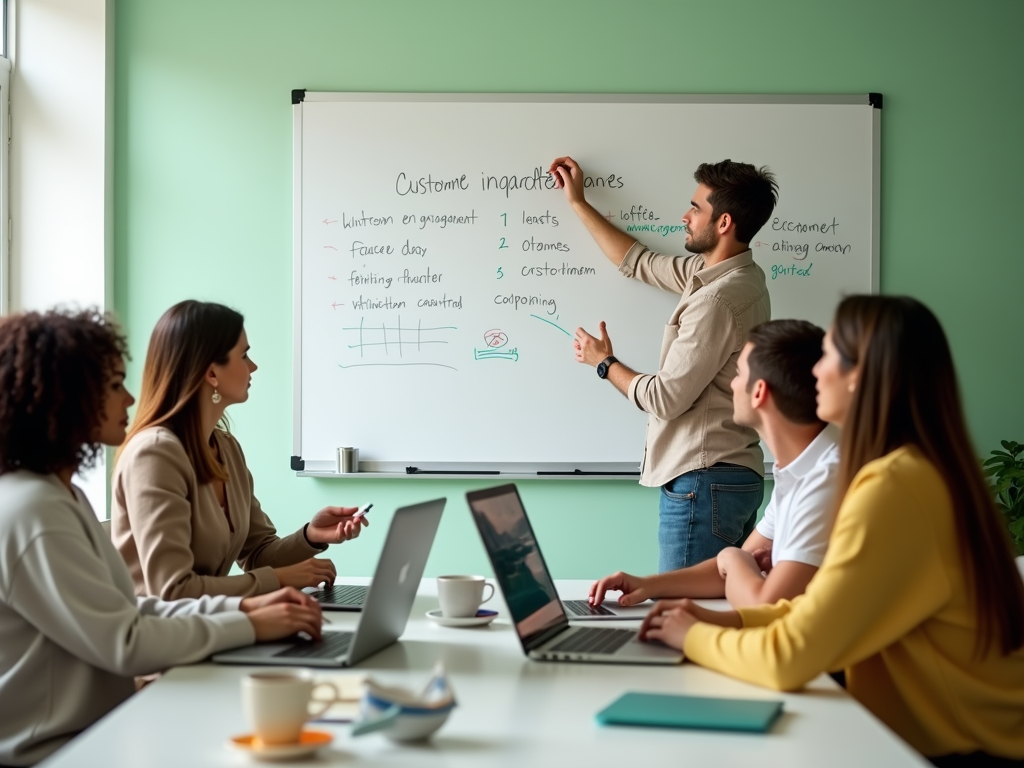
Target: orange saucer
(308,743)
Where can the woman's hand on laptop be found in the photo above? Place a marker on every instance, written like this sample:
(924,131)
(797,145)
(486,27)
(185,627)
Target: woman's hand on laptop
(283,595)
(670,620)
(283,613)
(333,525)
(634,589)
(308,573)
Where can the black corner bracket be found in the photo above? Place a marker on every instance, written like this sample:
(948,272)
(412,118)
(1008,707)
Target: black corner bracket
(875,100)
(299,96)
(298,464)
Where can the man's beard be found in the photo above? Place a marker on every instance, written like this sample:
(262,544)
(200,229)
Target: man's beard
(703,242)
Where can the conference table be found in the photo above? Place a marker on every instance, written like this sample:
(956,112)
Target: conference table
(511,712)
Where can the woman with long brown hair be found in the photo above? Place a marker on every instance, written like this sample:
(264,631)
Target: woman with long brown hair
(918,597)
(183,508)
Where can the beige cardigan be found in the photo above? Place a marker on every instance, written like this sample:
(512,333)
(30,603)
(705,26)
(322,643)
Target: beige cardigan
(173,534)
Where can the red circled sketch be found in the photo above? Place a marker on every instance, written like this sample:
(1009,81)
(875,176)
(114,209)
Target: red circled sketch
(495,338)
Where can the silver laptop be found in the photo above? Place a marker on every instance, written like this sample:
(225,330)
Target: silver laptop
(537,613)
(387,606)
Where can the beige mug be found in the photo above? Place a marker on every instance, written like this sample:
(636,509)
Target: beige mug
(279,703)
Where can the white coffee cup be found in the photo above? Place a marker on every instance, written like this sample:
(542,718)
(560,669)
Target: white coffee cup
(278,703)
(462,596)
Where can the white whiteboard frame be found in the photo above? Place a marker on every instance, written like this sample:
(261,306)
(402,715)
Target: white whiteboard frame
(559,471)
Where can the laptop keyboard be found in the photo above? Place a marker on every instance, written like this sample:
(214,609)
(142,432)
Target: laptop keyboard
(341,594)
(583,608)
(334,644)
(594,641)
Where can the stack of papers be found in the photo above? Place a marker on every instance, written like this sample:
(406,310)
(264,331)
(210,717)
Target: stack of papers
(350,688)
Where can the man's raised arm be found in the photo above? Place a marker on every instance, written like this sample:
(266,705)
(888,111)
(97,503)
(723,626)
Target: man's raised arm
(612,240)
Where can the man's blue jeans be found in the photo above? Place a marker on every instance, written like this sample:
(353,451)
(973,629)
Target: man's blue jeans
(704,511)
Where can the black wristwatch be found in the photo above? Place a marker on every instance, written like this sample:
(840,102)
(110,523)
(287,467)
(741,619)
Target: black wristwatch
(604,365)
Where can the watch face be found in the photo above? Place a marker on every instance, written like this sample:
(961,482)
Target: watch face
(602,369)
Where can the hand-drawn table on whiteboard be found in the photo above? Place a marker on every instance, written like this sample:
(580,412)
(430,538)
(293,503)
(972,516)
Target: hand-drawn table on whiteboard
(439,276)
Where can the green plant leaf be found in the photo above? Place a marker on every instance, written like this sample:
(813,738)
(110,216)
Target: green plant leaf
(1005,472)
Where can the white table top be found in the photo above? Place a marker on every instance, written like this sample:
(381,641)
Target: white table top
(512,712)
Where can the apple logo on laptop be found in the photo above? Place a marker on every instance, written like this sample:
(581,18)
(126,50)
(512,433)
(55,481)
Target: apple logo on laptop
(402,574)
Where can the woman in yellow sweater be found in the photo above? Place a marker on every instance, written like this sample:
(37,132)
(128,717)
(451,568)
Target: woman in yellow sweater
(918,598)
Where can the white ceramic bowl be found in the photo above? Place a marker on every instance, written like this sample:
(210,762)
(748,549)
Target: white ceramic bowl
(411,723)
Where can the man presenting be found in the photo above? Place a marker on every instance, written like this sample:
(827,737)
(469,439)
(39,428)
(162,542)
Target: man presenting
(710,469)
(773,392)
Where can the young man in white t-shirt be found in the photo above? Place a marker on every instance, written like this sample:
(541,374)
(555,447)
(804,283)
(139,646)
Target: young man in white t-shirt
(773,392)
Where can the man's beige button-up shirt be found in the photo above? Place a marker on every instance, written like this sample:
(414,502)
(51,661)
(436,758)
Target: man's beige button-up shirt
(689,399)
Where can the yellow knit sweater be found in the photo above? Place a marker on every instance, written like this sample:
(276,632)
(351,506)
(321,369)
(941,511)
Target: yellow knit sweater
(891,605)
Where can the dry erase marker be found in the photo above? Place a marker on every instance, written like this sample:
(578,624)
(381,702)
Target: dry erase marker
(362,511)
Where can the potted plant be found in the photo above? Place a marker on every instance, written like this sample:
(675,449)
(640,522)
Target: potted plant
(1005,469)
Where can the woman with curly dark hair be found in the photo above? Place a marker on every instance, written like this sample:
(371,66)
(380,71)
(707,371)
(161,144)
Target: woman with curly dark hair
(72,632)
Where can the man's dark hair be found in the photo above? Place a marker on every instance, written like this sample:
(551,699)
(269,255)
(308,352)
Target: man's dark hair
(54,370)
(783,354)
(746,193)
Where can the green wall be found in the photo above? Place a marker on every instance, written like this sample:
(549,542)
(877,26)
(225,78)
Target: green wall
(203,184)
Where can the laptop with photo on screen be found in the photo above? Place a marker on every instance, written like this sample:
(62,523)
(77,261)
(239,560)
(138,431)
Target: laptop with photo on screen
(385,612)
(538,615)
(609,610)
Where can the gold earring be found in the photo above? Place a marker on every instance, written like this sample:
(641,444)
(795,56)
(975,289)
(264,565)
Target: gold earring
(216,396)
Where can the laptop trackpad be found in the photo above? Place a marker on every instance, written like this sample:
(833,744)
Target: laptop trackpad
(649,650)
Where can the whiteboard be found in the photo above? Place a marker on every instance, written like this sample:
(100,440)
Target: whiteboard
(438,276)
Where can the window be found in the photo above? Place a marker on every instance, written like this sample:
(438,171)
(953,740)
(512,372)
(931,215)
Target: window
(5,144)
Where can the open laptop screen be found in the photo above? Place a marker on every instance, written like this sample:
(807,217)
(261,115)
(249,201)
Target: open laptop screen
(518,563)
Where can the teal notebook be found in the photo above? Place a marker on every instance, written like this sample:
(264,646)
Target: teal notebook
(668,711)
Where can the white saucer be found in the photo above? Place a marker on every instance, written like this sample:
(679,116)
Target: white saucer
(482,618)
(310,742)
